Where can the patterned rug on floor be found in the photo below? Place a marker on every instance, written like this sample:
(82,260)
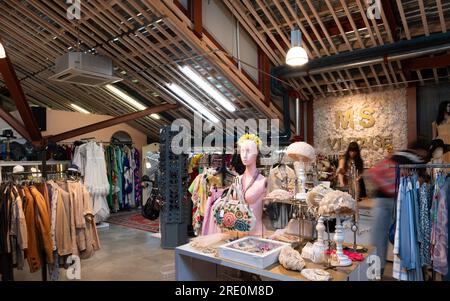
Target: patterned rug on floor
(133,219)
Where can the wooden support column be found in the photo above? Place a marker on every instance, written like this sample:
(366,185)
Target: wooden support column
(195,10)
(263,77)
(110,122)
(411,103)
(391,19)
(310,122)
(16,94)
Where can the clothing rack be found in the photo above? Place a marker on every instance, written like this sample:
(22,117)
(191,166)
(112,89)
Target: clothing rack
(423,166)
(43,174)
(428,165)
(98,141)
(43,163)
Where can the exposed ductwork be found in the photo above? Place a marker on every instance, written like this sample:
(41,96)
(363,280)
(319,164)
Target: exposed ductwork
(402,50)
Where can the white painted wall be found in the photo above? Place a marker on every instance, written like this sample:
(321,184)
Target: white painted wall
(221,24)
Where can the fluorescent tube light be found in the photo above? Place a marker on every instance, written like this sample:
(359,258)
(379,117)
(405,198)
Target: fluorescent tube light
(2,51)
(192,103)
(125,97)
(79,109)
(155,116)
(208,88)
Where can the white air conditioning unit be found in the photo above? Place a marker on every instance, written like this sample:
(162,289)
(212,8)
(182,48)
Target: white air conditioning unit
(84,69)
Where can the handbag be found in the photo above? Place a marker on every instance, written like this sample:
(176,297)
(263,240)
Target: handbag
(234,215)
(152,207)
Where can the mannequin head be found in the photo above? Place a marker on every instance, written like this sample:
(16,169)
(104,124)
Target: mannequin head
(444,111)
(249,145)
(249,152)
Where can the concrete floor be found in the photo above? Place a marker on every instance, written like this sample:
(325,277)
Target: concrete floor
(130,255)
(125,254)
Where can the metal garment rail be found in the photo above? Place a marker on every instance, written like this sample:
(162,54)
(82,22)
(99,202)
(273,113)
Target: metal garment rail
(429,165)
(29,163)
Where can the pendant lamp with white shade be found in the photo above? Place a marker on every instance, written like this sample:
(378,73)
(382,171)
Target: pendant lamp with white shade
(297,55)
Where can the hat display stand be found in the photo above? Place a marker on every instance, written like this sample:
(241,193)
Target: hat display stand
(354,192)
(302,153)
(340,260)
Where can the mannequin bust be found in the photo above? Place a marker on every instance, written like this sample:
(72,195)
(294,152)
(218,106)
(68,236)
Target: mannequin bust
(441,127)
(253,183)
(437,151)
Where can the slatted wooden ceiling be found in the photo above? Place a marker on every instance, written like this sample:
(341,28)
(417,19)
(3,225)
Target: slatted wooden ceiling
(330,27)
(139,38)
(146,39)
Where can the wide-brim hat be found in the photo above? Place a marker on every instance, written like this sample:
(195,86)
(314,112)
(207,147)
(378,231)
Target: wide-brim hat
(8,133)
(301,151)
(437,143)
(18,169)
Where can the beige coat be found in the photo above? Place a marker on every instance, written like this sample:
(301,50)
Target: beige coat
(277,177)
(80,228)
(62,220)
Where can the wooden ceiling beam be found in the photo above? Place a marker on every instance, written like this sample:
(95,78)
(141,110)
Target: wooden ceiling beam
(439,61)
(196,13)
(110,122)
(441,16)
(15,124)
(391,19)
(16,94)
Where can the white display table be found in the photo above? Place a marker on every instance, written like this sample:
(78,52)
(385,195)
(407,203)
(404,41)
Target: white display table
(193,265)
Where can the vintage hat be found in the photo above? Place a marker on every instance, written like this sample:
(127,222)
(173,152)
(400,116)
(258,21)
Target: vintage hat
(437,143)
(8,133)
(73,168)
(18,169)
(301,151)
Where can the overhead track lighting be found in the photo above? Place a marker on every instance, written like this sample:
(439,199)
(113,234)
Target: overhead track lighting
(2,51)
(296,56)
(125,97)
(79,109)
(191,103)
(155,116)
(208,88)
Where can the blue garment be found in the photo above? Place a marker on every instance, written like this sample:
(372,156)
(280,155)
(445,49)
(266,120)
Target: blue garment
(447,184)
(405,250)
(409,219)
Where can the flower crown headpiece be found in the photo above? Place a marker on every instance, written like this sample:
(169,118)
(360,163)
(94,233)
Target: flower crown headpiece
(252,137)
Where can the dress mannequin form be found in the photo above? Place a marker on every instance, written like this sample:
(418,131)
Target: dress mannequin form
(254,193)
(441,127)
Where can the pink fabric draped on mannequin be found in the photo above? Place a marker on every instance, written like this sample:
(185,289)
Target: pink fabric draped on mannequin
(209,224)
